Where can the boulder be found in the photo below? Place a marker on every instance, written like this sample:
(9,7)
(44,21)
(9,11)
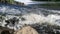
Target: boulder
(27,30)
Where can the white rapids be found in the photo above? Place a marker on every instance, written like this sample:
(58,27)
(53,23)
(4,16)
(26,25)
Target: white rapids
(31,16)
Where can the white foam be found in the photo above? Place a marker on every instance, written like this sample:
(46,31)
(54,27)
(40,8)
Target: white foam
(24,1)
(31,18)
(35,18)
(8,10)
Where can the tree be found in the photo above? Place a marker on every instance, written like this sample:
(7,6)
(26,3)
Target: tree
(45,0)
(41,0)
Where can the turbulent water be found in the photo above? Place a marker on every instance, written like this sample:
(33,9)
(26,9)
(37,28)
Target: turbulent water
(28,2)
(27,15)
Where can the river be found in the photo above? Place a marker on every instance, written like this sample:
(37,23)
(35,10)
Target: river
(31,13)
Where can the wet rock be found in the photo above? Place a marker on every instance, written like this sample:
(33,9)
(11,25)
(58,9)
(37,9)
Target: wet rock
(23,19)
(57,32)
(5,32)
(12,21)
(27,30)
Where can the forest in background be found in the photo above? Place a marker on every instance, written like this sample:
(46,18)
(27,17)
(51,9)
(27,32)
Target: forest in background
(46,0)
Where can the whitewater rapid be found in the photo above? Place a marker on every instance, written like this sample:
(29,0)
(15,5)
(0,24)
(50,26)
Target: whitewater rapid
(29,15)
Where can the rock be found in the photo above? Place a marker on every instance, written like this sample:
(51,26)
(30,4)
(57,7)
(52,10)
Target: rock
(5,32)
(27,30)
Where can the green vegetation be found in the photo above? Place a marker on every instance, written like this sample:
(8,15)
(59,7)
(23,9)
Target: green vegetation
(45,0)
(7,1)
(11,1)
(56,3)
(53,5)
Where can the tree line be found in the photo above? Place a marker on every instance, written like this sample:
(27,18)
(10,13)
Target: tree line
(7,1)
(45,0)
(11,2)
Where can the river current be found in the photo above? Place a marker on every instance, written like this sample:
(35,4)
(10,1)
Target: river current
(27,15)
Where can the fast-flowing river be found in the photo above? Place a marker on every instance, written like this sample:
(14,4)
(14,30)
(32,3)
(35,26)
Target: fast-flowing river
(28,15)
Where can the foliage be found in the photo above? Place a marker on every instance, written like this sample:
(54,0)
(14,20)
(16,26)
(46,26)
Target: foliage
(45,0)
(10,1)
(55,5)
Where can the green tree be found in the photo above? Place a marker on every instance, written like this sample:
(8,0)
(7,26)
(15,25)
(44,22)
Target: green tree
(11,1)
(41,0)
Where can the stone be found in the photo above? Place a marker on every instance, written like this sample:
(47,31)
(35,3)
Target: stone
(5,32)
(27,30)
